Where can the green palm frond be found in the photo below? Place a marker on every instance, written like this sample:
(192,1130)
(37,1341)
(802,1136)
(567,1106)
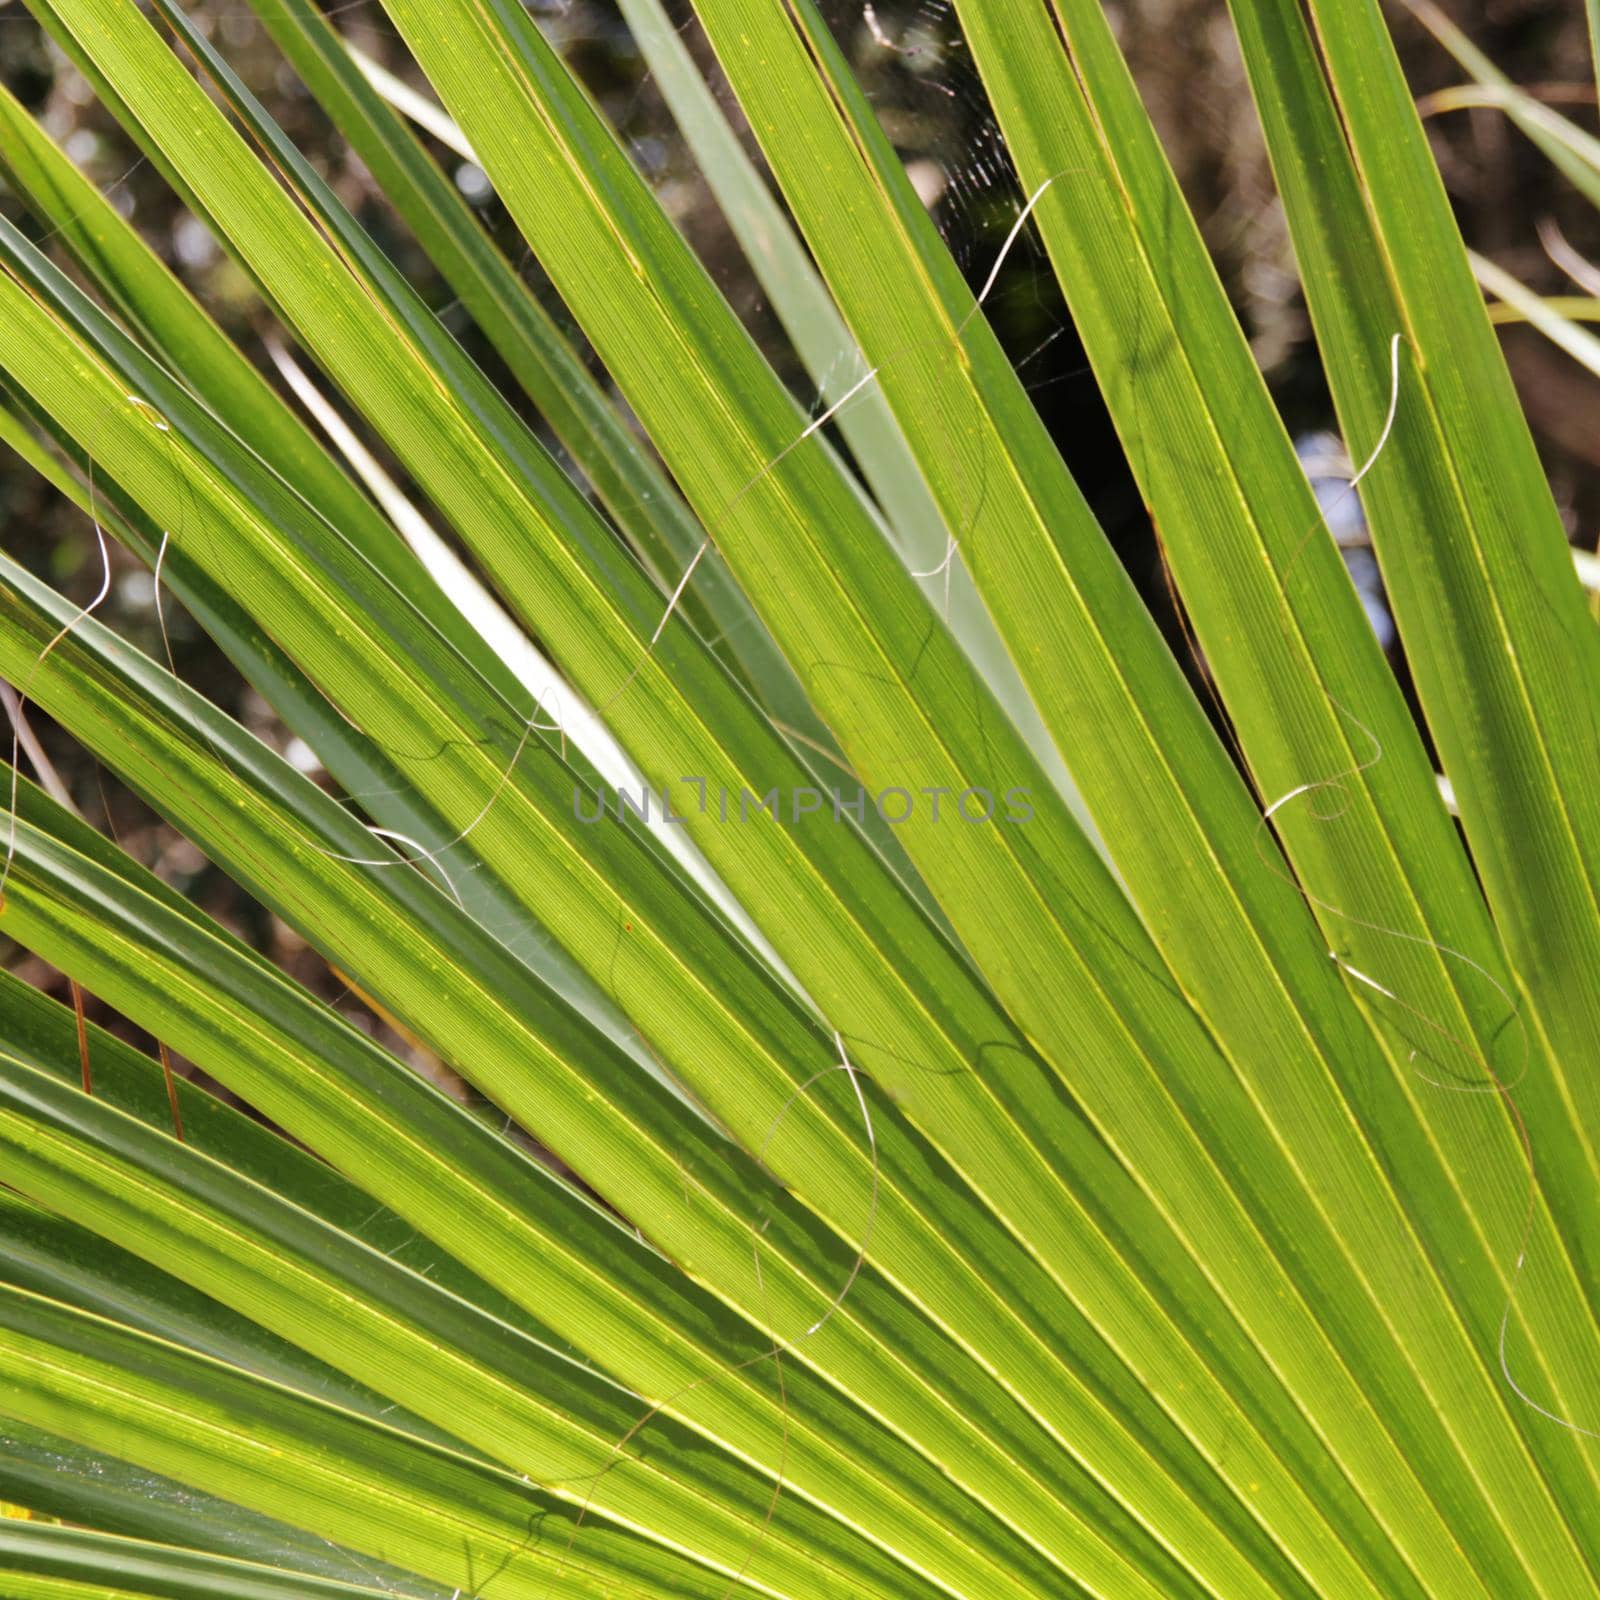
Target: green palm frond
(1006,1141)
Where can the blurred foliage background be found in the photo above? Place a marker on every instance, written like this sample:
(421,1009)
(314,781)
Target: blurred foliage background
(910,57)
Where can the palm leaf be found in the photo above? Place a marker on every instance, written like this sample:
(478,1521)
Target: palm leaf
(974,1212)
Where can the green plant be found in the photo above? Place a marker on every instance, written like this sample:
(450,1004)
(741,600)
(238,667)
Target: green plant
(1060,1228)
